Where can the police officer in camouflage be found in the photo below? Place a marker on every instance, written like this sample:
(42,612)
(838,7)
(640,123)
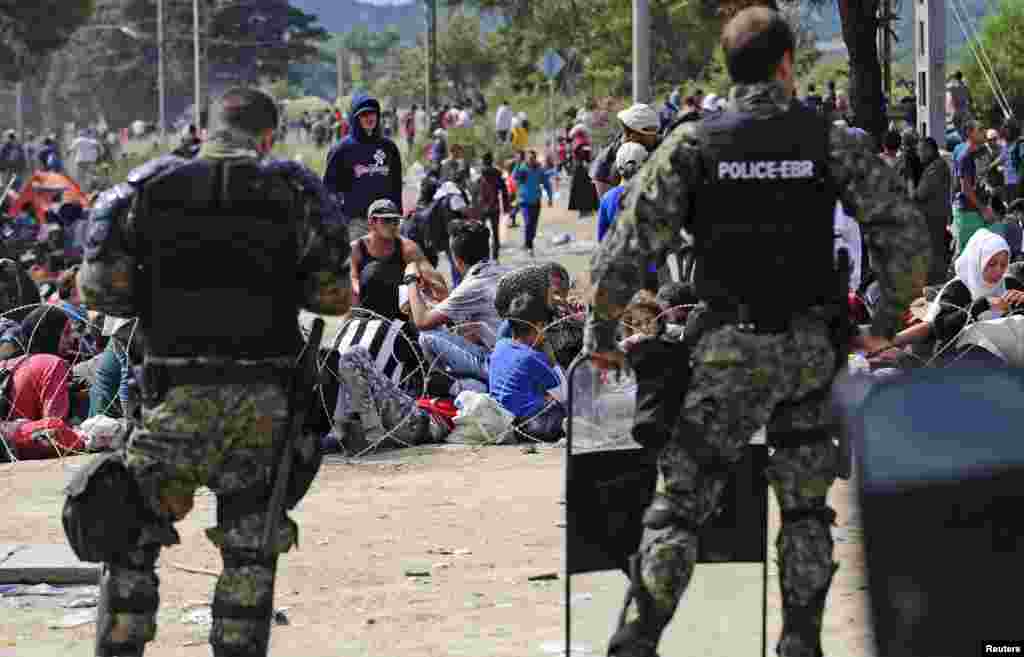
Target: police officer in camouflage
(756,187)
(215,255)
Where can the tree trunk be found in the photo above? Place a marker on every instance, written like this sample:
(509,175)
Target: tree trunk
(860,29)
(48,98)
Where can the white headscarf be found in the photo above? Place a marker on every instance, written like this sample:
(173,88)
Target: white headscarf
(981,248)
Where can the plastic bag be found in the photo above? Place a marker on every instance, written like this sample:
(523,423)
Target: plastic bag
(481,420)
(603,409)
(101,431)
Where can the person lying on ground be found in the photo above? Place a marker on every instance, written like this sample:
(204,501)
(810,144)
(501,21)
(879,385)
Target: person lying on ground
(521,373)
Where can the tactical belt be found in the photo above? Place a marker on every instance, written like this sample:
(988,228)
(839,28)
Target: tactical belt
(199,375)
(157,378)
(742,318)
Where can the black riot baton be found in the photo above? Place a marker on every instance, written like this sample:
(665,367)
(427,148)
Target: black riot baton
(300,394)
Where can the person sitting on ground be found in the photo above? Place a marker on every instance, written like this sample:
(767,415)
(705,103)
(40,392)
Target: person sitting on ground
(39,388)
(371,410)
(521,373)
(379,261)
(466,349)
(563,333)
(980,291)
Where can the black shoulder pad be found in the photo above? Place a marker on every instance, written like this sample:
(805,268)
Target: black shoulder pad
(310,184)
(154,168)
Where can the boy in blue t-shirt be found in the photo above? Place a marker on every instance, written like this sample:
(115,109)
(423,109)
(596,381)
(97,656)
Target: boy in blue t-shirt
(520,373)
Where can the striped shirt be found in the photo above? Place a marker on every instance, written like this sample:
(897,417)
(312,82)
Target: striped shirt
(393,352)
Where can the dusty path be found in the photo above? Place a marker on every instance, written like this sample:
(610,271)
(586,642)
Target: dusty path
(480,521)
(365,525)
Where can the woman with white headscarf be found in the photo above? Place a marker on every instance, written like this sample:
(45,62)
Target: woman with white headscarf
(980,291)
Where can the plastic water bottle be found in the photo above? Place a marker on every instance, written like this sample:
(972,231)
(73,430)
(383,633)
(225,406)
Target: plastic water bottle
(858,364)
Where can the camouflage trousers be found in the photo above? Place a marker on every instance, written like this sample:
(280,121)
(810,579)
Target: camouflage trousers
(386,411)
(741,382)
(222,437)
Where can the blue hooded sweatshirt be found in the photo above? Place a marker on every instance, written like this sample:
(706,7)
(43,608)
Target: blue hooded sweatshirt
(364,167)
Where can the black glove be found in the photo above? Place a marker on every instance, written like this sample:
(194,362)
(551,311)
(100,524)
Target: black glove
(663,373)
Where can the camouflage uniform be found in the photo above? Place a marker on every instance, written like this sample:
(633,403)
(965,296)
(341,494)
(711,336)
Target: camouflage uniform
(220,436)
(742,381)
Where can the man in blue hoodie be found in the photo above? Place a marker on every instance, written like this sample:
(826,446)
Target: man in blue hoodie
(365,166)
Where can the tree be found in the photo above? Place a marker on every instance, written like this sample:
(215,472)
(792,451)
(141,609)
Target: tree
(253,40)
(464,58)
(408,85)
(860,23)
(1000,40)
(31,30)
(369,47)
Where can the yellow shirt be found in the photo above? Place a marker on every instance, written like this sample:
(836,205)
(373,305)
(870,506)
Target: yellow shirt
(520,138)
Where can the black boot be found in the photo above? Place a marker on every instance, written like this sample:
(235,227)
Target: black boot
(637,638)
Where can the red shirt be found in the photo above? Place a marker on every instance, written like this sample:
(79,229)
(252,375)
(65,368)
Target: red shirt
(39,386)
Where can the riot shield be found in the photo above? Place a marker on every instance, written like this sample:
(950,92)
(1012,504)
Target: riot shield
(609,480)
(942,463)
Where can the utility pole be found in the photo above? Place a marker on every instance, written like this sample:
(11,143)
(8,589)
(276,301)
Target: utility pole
(886,20)
(19,91)
(431,56)
(195,38)
(161,89)
(930,65)
(641,51)
(340,64)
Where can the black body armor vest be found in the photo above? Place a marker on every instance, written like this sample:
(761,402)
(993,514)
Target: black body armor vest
(219,281)
(764,229)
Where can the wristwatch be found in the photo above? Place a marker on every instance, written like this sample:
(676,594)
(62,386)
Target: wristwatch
(410,279)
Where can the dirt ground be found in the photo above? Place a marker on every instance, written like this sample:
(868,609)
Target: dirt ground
(480,521)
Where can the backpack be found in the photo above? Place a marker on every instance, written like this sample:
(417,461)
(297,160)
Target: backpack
(427,228)
(1017,156)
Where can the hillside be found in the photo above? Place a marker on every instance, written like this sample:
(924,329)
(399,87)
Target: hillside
(825,23)
(409,16)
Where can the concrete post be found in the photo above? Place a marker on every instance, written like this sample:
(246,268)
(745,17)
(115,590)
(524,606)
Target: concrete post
(930,65)
(161,88)
(19,90)
(641,52)
(431,56)
(199,79)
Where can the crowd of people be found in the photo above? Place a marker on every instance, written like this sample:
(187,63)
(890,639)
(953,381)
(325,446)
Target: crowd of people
(413,332)
(413,338)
